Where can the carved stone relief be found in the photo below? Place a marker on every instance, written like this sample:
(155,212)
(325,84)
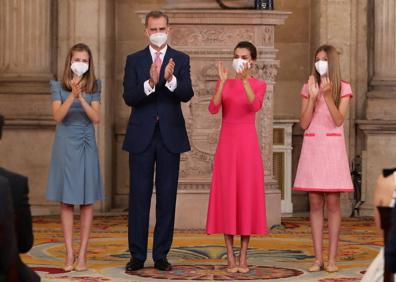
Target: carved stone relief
(203,128)
(209,35)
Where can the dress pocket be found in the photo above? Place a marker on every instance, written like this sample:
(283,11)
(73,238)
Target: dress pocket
(334,134)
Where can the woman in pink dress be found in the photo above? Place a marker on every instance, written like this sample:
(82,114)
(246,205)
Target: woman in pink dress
(237,199)
(323,169)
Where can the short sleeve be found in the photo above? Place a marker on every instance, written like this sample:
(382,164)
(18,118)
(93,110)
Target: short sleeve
(55,90)
(96,95)
(346,90)
(304,91)
(214,109)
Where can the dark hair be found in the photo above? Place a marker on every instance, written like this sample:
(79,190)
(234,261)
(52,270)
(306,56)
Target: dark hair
(247,45)
(1,125)
(156,15)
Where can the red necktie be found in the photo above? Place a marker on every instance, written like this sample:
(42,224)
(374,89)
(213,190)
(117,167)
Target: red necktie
(158,61)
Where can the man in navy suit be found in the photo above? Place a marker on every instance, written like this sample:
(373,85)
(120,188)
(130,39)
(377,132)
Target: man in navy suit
(157,79)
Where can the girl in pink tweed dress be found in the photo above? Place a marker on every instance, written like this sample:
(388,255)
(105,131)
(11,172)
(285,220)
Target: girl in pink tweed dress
(323,168)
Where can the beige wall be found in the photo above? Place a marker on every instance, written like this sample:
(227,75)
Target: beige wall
(293,42)
(114,30)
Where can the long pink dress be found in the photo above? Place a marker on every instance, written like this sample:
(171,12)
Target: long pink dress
(237,198)
(323,164)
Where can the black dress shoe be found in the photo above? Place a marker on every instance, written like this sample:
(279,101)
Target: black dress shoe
(163,265)
(134,264)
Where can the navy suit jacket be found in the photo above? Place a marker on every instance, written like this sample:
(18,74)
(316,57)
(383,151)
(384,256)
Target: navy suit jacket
(20,201)
(390,246)
(162,103)
(16,233)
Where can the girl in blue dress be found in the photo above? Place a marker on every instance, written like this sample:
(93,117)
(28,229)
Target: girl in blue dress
(74,175)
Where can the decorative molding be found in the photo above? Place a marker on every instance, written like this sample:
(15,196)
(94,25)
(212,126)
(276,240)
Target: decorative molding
(384,83)
(208,72)
(201,186)
(207,4)
(377,127)
(196,163)
(29,123)
(214,53)
(266,71)
(38,86)
(25,106)
(209,35)
(267,36)
(264,128)
(228,17)
(378,94)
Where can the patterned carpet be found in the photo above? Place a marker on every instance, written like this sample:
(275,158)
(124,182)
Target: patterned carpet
(283,255)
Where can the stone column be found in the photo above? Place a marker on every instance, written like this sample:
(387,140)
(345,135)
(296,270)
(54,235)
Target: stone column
(384,44)
(209,36)
(379,126)
(329,21)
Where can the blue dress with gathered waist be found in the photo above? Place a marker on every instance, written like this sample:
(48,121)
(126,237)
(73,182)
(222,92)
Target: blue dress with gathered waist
(74,174)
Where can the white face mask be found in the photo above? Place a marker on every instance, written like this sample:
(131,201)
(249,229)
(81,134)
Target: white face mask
(238,64)
(321,67)
(79,68)
(159,38)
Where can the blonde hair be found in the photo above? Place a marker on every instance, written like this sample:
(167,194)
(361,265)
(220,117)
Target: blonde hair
(88,79)
(334,72)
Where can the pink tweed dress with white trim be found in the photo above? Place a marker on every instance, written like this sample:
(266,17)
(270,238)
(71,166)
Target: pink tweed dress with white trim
(323,164)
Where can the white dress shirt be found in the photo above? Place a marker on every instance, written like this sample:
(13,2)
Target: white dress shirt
(171,85)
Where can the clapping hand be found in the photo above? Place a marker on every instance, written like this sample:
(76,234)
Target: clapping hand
(223,72)
(245,73)
(313,88)
(326,86)
(154,75)
(170,67)
(76,87)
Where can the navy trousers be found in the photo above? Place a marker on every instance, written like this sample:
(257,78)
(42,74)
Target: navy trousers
(166,165)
